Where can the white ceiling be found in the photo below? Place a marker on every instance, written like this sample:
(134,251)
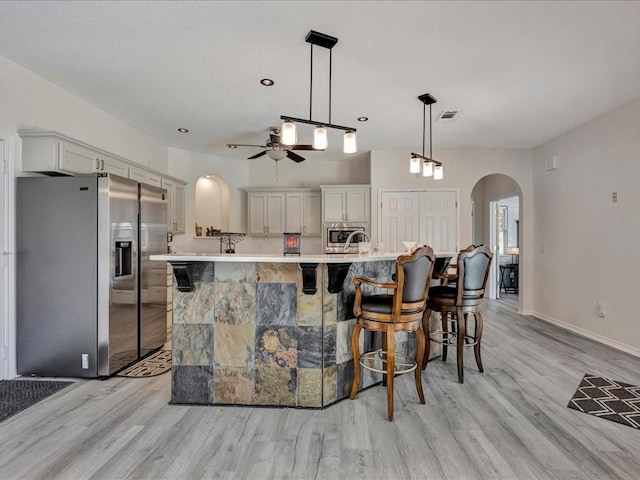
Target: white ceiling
(521,72)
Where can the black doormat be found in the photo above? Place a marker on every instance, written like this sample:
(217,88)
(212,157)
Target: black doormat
(155,364)
(604,398)
(17,395)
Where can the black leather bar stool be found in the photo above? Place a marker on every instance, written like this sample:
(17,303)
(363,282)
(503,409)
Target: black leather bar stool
(457,303)
(390,313)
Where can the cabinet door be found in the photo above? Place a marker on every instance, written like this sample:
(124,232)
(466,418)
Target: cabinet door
(137,174)
(114,166)
(153,179)
(333,202)
(311,214)
(76,159)
(357,201)
(294,213)
(275,213)
(170,186)
(178,208)
(257,213)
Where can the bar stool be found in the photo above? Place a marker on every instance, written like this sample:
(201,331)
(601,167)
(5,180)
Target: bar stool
(459,302)
(391,313)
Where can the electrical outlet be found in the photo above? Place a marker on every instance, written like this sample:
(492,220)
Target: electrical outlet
(614,197)
(85,361)
(599,304)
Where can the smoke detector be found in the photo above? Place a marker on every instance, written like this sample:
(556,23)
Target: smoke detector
(447,115)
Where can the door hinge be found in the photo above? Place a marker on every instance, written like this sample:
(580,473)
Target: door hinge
(456,204)
(380,205)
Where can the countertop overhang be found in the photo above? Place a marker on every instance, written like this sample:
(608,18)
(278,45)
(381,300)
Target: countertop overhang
(275,258)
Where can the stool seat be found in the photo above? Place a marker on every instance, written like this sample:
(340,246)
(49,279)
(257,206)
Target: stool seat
(390,313)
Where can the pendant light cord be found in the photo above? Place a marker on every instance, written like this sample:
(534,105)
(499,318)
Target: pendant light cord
(311,85)
(430,136)
(424,124)
(330,67)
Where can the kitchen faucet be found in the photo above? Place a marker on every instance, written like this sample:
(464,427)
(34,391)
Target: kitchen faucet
(353,234)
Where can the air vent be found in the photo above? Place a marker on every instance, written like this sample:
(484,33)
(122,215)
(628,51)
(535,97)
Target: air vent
(447,115)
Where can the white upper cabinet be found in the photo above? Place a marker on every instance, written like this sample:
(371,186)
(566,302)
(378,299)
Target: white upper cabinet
(175,205)
(345,203)
(145,176)
(276,211)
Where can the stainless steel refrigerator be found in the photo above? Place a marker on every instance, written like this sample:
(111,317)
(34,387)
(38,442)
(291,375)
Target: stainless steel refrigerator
(89,301)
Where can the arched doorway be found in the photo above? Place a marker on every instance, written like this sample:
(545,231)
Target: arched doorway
(211,205)
(497,218)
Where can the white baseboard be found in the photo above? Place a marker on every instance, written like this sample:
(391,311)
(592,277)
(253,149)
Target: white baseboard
(585,333)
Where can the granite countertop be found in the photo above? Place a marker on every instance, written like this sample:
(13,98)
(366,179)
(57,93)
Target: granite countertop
(275,257)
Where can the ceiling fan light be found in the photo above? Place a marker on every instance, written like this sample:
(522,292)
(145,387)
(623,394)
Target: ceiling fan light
(276,154)
(438,172)
(288,133)
(427,168)
(350,144)
(414,165)
(320,138)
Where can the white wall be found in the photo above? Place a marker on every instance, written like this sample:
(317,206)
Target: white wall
(585,245)
(462,170)
(27,101)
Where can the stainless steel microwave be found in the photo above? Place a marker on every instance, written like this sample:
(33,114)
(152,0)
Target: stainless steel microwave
(335,235)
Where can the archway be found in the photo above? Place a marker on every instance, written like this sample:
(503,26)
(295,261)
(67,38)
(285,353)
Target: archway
(211,205)
(497,219)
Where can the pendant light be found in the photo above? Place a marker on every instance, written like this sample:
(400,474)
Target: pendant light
(430,167)
(320,137)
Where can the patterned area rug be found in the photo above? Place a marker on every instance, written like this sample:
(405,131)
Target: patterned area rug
(17,395)
(604,398)
(155,364)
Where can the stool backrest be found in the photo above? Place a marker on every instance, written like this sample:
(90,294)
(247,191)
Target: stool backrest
(413,273)
(473,271)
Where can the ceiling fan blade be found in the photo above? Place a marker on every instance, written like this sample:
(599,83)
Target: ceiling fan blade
(245,145)
(264,152)
(295,157)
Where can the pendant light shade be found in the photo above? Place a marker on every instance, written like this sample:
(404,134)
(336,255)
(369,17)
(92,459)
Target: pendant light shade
(288,133)
(427,168)
(414,165)
(320,138)
(350,143)
(438,172)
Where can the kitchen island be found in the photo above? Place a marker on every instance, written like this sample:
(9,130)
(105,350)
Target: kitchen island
(269,329)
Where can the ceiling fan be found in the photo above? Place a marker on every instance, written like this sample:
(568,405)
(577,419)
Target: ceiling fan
(275,149)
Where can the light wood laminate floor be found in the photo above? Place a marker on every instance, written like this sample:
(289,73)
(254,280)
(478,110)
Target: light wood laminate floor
(512,422)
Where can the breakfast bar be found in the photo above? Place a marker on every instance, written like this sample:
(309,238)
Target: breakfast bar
(268,329)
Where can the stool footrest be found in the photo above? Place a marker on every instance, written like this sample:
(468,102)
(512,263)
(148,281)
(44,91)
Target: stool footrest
(451,339)
(378,358)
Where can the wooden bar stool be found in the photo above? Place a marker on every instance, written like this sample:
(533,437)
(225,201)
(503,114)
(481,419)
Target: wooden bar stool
(391,313)
(456,303)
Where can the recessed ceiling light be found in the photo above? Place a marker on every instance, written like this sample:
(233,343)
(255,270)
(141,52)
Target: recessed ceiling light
(230,145)
(183,130)
(363,119)
(267,82)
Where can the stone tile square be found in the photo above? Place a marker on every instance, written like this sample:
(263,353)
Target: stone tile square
(234,345)
(309,347)
(276,347)
(329,345)
(235,303)
(192,344)
(275,386)
(343,341)
(192,384)
(231,272)
(309,307)
(203,272)
(277,272)
(309,387)
(196,306)
(330,379)
(276,304)
(234,385)
(344,379)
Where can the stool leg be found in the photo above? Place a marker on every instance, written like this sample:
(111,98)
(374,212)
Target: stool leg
(355,348)
(391,358)
(384,351)
(445,329)
(420,341)
(460,321)
(425,330)
(478,335)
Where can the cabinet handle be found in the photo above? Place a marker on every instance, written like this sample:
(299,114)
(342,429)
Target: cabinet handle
(97,167)
(101,164)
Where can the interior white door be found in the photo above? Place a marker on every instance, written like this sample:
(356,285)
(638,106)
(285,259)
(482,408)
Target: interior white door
(493,281)
(439,220)
(398,219)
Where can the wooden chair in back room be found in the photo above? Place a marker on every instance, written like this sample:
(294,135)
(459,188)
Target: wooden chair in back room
(400,311)
(456,303)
